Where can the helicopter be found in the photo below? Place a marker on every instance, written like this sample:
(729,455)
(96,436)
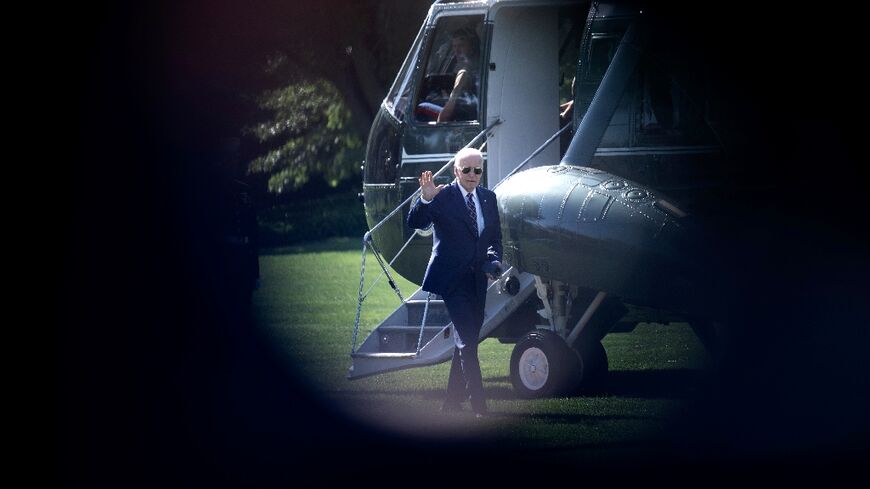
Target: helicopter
(612,142)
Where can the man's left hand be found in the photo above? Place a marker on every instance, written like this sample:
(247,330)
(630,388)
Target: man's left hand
(497,267)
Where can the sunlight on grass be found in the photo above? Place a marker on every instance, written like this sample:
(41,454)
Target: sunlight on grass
(305,311)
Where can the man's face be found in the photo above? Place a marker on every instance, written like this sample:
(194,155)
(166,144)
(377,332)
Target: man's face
(462,49)
(469,181)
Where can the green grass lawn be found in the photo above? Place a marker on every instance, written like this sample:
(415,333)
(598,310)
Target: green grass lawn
(305,309)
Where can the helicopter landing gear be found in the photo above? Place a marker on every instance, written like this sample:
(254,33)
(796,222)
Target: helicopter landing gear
(567,357)
(543,365)
(591,367)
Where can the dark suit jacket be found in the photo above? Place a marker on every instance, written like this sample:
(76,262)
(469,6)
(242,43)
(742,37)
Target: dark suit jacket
(455,246)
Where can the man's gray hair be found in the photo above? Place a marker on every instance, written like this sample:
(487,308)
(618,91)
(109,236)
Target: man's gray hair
(465,153)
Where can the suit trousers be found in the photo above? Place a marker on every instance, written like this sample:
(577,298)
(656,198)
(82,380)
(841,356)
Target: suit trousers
(465,304)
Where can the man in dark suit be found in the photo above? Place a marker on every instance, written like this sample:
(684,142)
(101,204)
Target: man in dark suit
(466,250)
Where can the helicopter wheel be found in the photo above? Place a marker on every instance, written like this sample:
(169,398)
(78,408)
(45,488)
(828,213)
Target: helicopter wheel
(542,365)
(589,367)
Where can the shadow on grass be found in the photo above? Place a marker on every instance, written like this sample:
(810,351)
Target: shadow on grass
(653,384)
(365,400)
(570,418)
(645,384)
(649,384)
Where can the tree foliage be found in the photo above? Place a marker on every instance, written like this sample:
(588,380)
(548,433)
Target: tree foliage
(308,132)
(333,62)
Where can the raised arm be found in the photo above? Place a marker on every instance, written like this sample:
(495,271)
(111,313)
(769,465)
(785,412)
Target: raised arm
(459,85)
(420,216)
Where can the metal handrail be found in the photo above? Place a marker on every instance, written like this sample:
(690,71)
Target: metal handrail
(372,286)
(362,275)
(534,153)
(423,323)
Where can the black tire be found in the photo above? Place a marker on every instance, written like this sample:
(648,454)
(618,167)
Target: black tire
(590,366)
(542,365)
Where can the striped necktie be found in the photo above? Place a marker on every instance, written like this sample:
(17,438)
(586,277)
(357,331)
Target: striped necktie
(472,211)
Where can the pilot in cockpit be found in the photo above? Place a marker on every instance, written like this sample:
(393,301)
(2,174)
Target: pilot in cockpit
(451,86)
(462,101)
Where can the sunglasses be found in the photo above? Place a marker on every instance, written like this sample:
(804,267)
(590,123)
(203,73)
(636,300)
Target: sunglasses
(477,170)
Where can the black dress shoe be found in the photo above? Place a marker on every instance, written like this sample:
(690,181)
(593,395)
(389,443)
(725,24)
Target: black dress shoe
(480,410)
(451,407)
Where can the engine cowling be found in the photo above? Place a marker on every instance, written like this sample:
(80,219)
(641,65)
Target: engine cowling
(586,227)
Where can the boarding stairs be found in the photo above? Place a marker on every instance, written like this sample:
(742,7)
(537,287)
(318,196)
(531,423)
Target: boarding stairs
(419,332)
(403,340)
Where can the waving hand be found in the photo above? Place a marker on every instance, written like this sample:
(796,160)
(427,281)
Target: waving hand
(427,186)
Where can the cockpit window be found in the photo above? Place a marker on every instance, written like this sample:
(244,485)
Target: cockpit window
(663,104)
(398,99)
(450,88)
(673,104)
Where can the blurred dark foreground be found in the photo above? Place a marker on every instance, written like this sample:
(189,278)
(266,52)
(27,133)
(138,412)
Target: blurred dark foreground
(161,378)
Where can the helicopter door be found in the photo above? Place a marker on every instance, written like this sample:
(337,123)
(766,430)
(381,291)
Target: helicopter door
(523,87)
(381,182)
(445,111)
(383,158)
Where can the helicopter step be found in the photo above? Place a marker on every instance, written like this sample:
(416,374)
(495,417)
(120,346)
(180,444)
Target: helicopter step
(393,344)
